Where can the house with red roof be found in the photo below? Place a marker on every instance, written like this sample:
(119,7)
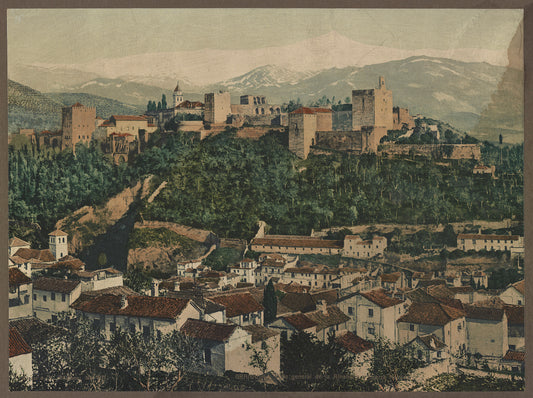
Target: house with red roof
(20,354)
(294,323)
(429,348)
(514,294)
(445,322)
(52,296)
(486,330)
(356,247)
(359,349)
(513,361)
(135,313)
(373,314)
(245,270)
(228,347)
(15,244)
(241,308)
(20,291)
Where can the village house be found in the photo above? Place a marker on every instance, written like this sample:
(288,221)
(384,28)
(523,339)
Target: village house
(329,320)
(484,170)
(480,279)
(393,281)
(294,323)
(23,265)
(374,314)
(265,340)
(99,279)
(20,355)
(182,266)
(241,308)
(245,270)
(320,277)
(15,244)
(360,350)
(488,242)
(133,313)
(356,247)
(486,331)
(515,326)
(272,265)
(52,296)
(20,291)
(513,361)
(447,323)
(514,294)
(419,276)
(125,124)
(429,348)
(292,244)
(226,346)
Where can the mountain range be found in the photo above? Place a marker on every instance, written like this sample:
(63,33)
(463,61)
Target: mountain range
(453,91)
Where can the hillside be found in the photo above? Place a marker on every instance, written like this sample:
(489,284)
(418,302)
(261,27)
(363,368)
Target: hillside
(29,108)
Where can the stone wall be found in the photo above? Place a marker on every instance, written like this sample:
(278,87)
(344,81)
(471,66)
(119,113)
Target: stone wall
(349,141)
(342,120)
(441,151)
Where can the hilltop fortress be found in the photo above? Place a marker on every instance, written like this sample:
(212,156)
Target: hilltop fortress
(372,115)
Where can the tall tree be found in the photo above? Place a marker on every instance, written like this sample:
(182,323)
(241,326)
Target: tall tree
(270,302)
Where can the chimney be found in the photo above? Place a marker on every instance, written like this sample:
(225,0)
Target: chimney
(479,231)
(155,288)
(321,305)
(123,302)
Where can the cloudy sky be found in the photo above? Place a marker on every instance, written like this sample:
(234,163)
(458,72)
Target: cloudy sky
(84,35)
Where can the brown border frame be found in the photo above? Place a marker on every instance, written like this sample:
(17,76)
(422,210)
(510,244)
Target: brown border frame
(527,5)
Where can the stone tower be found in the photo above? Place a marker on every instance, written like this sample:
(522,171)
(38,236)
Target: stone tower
(372,107)
(303,125)
(58,244)
(77,124)
(177,96)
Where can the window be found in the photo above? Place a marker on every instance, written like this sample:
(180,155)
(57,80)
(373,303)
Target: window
(420,354)
(53,296)
(246,317)
(370,312)
(439,354)
(512,347)
(350,310)
(44,297)
(207,356)
(412,327)
(26,299)
(459,327)
(54,318)
(372,331)
(34,297)
(492,340)
(63,297)
(519,302)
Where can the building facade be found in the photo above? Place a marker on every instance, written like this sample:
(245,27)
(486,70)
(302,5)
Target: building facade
(78,125)
(372,107)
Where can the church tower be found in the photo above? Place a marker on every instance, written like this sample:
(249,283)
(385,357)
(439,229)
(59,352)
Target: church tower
(178,95)
(58,244)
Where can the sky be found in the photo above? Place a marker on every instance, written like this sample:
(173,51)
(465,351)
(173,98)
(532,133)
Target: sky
(82,35)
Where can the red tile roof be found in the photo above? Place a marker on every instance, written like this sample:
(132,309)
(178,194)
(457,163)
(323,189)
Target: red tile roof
(515,314)
(353,343)
(17,260)
(55,285)
(296,242)
(138,306)
(435,314)
(128,118)
(299,321)
(190,105)
(298,302)
(57,232)
(17,277)
(519,286)
(333,316)
(485,313)
(16,242)
(431,341)
(238,304)
(17,345)
(519,356)
(207,330)
(44,256)
(487,237)
(69,262)
(379,297)
(260,333)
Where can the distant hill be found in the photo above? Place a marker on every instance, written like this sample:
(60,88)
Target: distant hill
(105,107)
(29,108)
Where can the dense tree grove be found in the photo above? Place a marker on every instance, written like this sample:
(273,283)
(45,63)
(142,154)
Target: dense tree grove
(227,184)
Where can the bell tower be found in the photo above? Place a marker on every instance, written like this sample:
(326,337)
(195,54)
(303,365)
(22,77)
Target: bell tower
(178,95)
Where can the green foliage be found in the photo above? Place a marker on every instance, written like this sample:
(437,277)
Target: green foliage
(158,237)
(270,302)
(164,101)
(223,257)
(88,178)
(464,382)
(18,381)
(503,277)
(137,279)
(304,359)
(102,259)
(391,363)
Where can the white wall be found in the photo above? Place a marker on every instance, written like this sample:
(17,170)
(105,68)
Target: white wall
(45,309)
(22,363)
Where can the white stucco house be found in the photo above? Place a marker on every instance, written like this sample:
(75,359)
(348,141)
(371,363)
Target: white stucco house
(52,296)
(20,354)
(20,292)
(486,331)
(514,294)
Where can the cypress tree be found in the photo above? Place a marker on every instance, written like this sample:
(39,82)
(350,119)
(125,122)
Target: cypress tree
(270,302)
